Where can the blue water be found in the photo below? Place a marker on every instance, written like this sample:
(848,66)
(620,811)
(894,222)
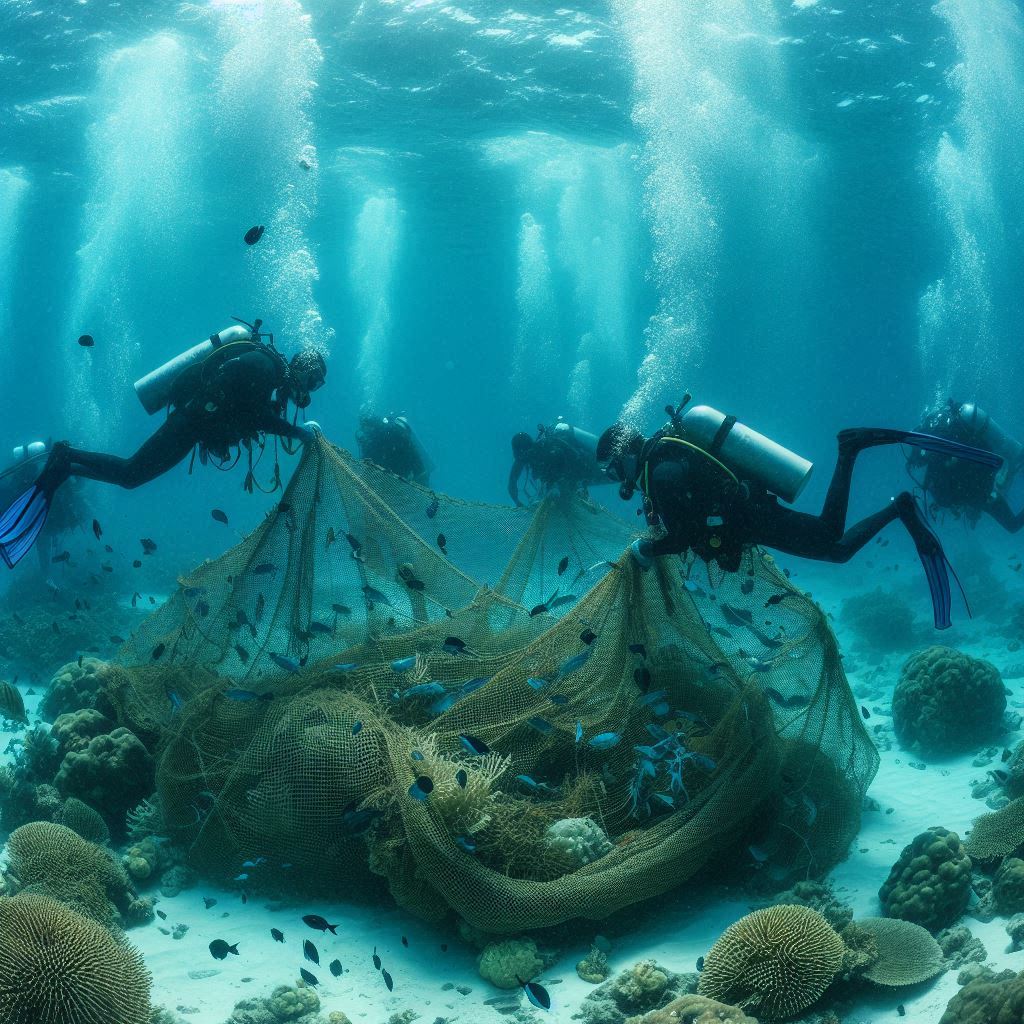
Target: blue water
(808,214)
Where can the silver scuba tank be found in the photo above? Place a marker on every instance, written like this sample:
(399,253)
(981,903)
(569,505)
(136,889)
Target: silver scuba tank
(28,450)
(989,435)
(581,439)
(155,389)
(746,452)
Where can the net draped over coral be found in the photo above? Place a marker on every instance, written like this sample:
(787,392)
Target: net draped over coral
(640,724)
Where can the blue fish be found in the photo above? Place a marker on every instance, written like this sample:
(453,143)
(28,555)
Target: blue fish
(528,782)
(416,755)
(421,788)
(540,724)
(176,702)
(657,731)
(576,662)
(537,994)
(537,684)
(653,697)
(320,627)
(579,731)
(474,684)
(444,704)
(465,843)
(605,740)
(647,768)
(661,709)
(403,664)
(246,695)
(648,752)
(704,762)
(423,690)
(356,727)
(191,592)
(254,863)
(473,745)
(241,878)
(345,666)
(283,661)
(665,799)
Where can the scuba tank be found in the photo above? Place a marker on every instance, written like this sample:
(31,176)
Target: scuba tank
(986,433)
(581,439)
(746,451)
(157,387)
(29,450)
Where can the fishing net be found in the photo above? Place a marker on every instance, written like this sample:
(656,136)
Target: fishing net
(487,749)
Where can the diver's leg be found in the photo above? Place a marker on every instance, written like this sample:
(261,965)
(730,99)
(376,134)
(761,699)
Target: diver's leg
(1001,512)
(163,451)
(807,536)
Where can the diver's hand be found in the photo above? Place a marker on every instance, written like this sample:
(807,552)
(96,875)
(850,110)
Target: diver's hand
(310,430)
(642,559)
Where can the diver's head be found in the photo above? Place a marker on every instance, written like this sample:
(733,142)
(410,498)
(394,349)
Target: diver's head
(521,444)
(618,452)
(307,373)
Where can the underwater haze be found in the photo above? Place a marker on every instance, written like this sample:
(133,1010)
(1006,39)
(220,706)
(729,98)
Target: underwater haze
(288,709)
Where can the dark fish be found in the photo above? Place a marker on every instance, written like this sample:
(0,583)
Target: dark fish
(341,609)
(901,1009)
(253,235)
(700,963)
(864,712)
(158,651)
(109,550)
(97,529)
(107,568)
(540,724)
(588,636)
(637,649)
(405,942)
(308,977)
(558,602)
(563,565)
(737,616)
(444,947)
(433,507)
(264,569)
(261,604)
(538,609)
(203,608)
(537,994)
(152,599)
(1007,754)
(374,596)
(310,952)
(1001,776)
(320,627)
(336,968)
(64,556)
(86,341)
(414,584)
(283,661)
(136,564)
(356,727)
(376,959)
(775,599)
(278,934)
(461,778)
(219,949)
(453,645)
(442,543)
(161,915)
(319,924)
(387,980)
(148,546)
(354,543)
(473,745)
(746,586)
(422,787)
(219,516)
(208,902)
(798,700)
(115,639)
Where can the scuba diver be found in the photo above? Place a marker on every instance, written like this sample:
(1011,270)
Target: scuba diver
(715,484)
(966,489)
(229,391)
(561,456)
(389,442)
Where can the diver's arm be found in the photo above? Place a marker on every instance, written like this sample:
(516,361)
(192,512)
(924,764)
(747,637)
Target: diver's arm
(254,373)
(271,423)
(667,490)
(513,481)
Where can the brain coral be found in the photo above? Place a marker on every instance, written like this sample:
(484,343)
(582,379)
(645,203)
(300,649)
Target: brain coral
(579,840)
(1008,886)
(946,701)
(931,882)
(693,1009)
(907,953)
(774,962)
(988,999)
(54,860)
(81,818)
(73,687)
(501,963)
(57,967)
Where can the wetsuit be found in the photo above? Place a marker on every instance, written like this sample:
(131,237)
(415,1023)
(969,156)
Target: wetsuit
(239,400)
(388,442)
(550,461)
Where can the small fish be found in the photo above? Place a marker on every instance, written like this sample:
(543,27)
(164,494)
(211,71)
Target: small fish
(405,942)
(758,853)
(637,649)
(433,507)
(264,569)
(542,725)
(97,529)
(283,661)
(446,703)
(254,863)
(576,662)
(354,543)
(346,666)
(559,698)
(461,778)
(563,565)
(64,556)
(356,728)
(308,977)
(148,546)
(1001,776)
(115,639)
(137,564)
(310,952)
(336,968)
(453,645)
(422,787)
(330,537)
(176,701)
(865,714)
(209,903)
(746,586)
(414,584)
(341,609)
(579,731)
(320,628)
(700,963)
(901,1009)
(605,740)
(219,516)
(244,696)
(1006,755)
(588,636)
(403,664)
(253,235)
(776,599)
(243,877)
(423,690)
(319,924)
(109,550)
(538,609)
(374,596)
(261,604)
(158,652)
(798,700)
(472,685)
(376,959)
(86,340)
(537,994)
(387,980)
(565,599)
(277,934)
(642,677)
(536,683)
(161,915)
(243,654)
(219,949)
(473,745)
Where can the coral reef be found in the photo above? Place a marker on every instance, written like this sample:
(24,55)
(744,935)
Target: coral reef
(819,897)
(861,953)
(987,999)
(946,701)
(176,879)
(694,1009)
(115,772)
(960,947)
(145,819)
(578,840)
(147,860)
(1008,886)
(74,729)
(288,1003)
(997,835)
(1015,929)
(502,962)
(644,987)
(881,621)
(53,860)
(907,953)
(81,818)
(775,962)
(72,688)
(593,968)
(931,882)
(57,967)
(285,1003)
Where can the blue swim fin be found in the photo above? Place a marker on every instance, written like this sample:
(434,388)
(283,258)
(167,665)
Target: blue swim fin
(933,558)
(869,437)
(21,523)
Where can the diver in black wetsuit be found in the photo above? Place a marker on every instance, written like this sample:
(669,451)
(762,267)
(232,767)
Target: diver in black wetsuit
(968,490)
(714,485)
(389,442)
(233,397)
(561,457)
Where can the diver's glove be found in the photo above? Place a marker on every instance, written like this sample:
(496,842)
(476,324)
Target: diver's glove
(636,549)
(311,429)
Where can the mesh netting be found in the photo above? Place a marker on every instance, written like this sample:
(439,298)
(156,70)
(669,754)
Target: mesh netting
(520,769)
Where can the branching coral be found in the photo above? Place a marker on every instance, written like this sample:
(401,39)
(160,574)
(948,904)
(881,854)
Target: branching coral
(57,967)
(776,962)
(946,701)
(931,882)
